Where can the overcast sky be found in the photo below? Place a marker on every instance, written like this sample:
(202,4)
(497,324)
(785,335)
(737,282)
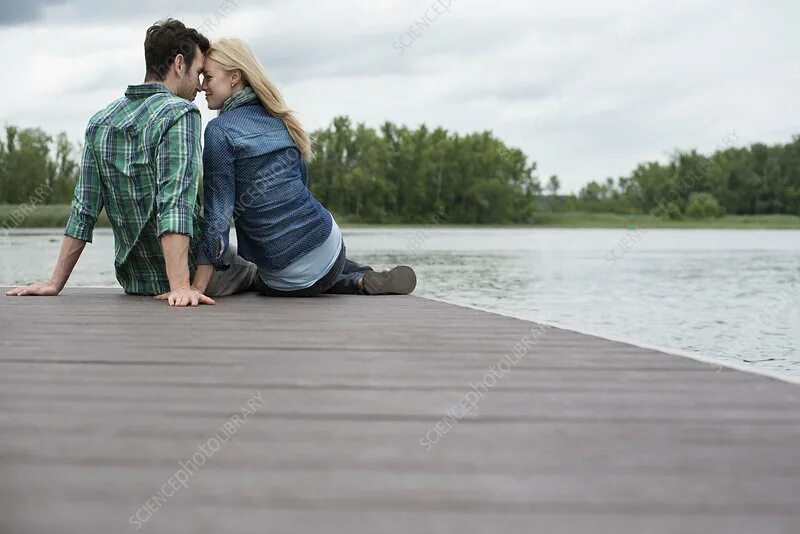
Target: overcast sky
(586,88)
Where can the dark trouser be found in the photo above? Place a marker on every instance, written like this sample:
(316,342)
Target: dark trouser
(341,279)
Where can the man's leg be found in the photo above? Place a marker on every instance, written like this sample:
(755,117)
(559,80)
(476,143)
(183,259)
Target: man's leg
(240,277)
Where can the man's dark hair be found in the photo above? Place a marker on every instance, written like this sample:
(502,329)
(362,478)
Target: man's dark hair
(166,39)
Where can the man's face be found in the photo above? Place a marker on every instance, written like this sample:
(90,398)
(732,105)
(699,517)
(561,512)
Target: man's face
(189,84)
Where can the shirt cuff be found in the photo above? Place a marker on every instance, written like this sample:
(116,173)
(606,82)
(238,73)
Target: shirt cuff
(219,262)
(79,229)
(200,256)
(175,222)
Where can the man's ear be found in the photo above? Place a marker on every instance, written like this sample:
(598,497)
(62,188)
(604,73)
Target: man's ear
(179,63)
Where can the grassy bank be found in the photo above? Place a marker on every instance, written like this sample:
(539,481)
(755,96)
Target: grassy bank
(55,216)
(576,219)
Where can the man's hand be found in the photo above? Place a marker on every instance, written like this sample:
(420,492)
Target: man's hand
(41,289)
(185,296)
(71,250)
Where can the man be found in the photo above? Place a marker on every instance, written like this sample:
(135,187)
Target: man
(142,161)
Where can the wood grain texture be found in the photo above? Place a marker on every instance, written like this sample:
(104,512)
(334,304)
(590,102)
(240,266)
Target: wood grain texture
(102,395)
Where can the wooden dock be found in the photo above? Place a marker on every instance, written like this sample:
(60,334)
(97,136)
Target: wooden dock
(320,415)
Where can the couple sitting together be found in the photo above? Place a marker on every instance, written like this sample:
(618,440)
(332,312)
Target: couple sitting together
(142,163)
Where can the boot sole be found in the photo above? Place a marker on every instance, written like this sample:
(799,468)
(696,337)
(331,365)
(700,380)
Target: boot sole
(399,281)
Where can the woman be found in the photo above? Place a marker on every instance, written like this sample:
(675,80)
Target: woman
(255,171)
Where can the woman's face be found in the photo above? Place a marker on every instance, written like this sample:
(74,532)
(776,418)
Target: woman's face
(218,84)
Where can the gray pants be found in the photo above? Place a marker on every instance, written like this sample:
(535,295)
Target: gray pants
(240,277)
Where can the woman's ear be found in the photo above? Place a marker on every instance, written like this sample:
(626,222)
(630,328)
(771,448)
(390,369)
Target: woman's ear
(236,77)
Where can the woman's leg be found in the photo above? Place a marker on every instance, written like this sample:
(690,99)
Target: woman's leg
(357,279)
(321,286)
(347,277)
(347,283)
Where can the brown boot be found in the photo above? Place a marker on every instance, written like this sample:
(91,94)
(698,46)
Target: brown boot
(398,281)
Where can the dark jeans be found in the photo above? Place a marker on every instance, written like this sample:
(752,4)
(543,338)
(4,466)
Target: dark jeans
(341,279)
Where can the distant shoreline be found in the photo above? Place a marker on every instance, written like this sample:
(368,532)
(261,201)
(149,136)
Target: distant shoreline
(55,216)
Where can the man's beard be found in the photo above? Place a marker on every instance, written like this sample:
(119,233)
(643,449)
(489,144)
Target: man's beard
(187,90)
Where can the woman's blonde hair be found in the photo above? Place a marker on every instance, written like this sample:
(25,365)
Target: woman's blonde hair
(234,54)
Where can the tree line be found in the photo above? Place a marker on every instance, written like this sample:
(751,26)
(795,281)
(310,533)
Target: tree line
(33,162)
(753,180)
(396,174)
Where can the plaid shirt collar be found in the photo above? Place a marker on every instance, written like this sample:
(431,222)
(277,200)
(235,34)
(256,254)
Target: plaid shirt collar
(143,90)
(245,96)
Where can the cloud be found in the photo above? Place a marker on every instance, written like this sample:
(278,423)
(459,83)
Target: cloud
(79,12)
(12,13)
(587,89)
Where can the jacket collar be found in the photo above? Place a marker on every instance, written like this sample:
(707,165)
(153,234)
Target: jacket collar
(245,96)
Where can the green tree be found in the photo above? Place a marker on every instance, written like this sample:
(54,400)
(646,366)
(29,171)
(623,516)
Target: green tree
(553,185)
(398,174)
(702,206)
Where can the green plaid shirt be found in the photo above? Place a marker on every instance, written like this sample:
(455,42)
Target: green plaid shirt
(141,162)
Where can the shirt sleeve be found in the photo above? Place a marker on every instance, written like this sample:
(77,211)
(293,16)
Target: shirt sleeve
(219,196)
(87,201)
(178,174)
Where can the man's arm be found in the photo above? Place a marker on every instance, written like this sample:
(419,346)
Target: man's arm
(71,249)
(178,162)
(176,254)
(87,203)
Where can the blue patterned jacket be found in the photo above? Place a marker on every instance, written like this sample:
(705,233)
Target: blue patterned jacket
(253,173)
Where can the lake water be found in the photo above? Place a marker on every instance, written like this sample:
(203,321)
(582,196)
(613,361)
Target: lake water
(730,295)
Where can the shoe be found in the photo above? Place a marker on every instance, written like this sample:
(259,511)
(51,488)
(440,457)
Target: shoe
(398,281)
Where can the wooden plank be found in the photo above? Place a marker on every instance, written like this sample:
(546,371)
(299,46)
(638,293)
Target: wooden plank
(102,395)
